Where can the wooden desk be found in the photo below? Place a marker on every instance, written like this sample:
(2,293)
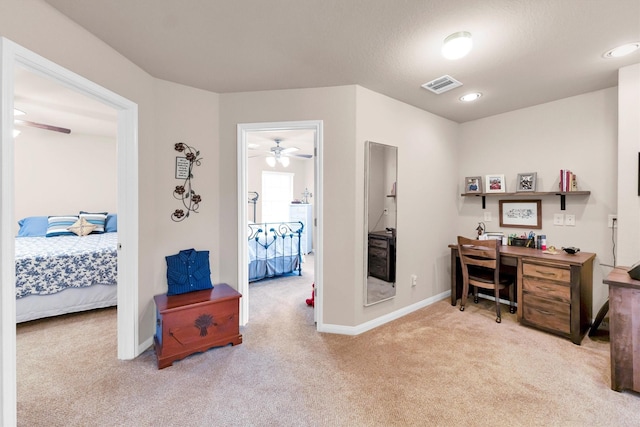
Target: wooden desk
(624,329)
(554,292)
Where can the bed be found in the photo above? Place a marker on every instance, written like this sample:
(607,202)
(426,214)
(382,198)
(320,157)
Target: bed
(64,273)
(274,249)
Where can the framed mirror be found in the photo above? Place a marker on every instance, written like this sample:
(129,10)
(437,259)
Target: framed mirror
(380,201)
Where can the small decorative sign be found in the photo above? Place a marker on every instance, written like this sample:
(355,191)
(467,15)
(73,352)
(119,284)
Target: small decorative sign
(182,168)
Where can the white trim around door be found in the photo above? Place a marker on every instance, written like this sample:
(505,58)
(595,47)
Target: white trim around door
(12,56)
(243,273)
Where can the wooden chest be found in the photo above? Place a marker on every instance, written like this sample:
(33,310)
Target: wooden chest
(195,322)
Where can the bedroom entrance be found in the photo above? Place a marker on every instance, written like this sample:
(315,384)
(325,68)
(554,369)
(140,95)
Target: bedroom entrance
(280,202)
(15,58)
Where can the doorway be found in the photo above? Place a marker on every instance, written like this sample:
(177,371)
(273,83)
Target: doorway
(245,131)
(14,56)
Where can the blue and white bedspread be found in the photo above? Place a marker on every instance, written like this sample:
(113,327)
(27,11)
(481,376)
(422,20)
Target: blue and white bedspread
(46,265)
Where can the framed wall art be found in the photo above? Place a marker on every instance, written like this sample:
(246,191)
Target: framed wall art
(526,182)
(495,184)
(473,184)
(521,213)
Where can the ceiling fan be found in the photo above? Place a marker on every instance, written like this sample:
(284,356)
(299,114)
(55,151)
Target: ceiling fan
(280,154)
(21,122)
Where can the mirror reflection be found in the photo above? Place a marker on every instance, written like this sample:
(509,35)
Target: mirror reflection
(381,164)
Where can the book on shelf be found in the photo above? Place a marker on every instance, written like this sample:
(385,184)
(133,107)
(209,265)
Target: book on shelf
(568,181)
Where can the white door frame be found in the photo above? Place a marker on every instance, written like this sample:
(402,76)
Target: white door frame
(12,55)
(243,258)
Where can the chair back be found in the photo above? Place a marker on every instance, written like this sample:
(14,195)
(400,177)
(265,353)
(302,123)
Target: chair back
(479,259)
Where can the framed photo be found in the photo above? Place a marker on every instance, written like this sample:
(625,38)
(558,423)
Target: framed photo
(182,168)
(495,184)
(473,184)
(526,182)
(521,213)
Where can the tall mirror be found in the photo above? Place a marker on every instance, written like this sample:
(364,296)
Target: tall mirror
(381,167)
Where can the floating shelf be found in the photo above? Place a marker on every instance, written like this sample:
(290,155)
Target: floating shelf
(530,194)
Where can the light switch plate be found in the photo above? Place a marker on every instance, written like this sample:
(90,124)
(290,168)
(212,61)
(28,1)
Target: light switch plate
(558,219)
(487,216)
(570,220)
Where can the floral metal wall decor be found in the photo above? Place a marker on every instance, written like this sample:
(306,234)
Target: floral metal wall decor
(184,170)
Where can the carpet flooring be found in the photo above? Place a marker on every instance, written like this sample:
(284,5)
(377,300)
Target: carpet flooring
(434,367)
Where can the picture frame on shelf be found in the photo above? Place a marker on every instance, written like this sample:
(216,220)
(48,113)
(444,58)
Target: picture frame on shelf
(521,213)
(473,184)
(495,184)
(526,182)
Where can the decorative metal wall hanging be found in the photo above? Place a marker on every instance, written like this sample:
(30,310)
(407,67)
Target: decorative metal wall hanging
(184,170)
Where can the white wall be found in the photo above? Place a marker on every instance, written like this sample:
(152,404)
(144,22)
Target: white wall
(336,107)
(426,198)
(628,166)
(577,133)
(58,174)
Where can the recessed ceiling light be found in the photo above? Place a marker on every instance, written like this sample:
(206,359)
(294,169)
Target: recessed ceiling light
(457,45)
(622,50)
(470,97)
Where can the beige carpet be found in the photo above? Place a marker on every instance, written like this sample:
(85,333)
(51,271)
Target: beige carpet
(437,366)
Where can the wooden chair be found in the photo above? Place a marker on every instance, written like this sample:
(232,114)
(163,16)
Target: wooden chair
(480,262)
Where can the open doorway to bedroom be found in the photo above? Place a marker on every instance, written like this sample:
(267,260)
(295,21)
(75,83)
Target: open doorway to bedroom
(279,239)
(14,57)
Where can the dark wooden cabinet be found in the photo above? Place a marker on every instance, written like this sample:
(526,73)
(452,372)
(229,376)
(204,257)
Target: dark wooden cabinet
(195,322)
(382,255)
(624,330)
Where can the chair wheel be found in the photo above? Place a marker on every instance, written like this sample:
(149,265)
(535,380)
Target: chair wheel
(462,308)
(512,310)
(498,320)
(475,300)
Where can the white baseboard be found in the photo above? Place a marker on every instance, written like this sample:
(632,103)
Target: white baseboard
(367,326)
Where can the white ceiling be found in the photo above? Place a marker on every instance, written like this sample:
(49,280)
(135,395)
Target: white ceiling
(526,52)
(47,102)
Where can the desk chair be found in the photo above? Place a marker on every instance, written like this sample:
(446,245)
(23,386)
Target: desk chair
(480,262)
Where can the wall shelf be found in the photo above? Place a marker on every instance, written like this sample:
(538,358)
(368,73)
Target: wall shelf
(529,194)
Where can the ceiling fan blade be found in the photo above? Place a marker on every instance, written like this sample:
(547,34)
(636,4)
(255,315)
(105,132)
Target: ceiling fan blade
(43,126)
(289,150)
(306,156)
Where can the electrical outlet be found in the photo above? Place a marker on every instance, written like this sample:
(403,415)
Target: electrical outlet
(414,280)
(612,221)
(487,216)
(570,220)
(558,219)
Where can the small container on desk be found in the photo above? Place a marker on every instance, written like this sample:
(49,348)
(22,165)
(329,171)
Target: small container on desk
(517,241)
(195,322)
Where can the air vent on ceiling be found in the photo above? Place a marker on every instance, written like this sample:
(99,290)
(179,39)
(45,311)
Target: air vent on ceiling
(442,84)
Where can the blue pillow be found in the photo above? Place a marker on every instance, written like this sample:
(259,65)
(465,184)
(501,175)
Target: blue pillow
(98,219)
(112,223)
(59,225)
(33,226)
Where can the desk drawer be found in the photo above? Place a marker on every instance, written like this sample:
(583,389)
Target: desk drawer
(547,271)
(554,315)
(547,290)
(380,243)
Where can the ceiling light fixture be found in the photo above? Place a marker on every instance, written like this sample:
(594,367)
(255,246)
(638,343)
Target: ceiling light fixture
(622,50)
(272,160)
(457,45)
(470,97)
